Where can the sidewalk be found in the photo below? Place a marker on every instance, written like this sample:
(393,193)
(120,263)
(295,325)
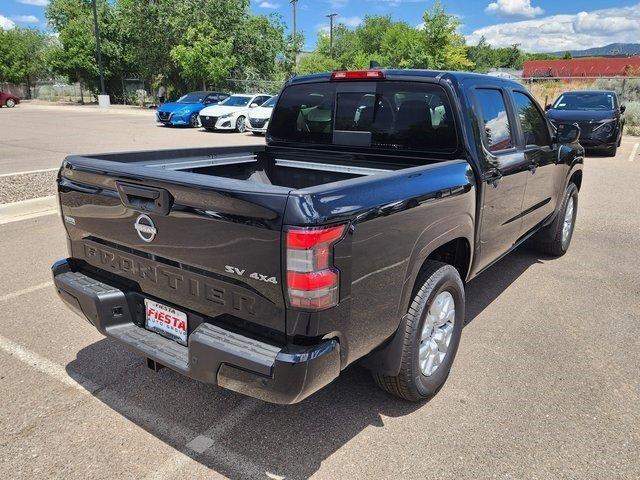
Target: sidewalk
(89,107)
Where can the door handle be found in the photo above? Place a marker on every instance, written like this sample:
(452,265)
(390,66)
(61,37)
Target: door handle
(492,177)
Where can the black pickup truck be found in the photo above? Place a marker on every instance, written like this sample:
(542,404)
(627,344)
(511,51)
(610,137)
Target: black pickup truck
(349,236)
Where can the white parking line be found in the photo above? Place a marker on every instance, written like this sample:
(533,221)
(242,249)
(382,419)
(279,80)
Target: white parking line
(634,152)
(24,291)
(149,420)
(29,171)
(206,443)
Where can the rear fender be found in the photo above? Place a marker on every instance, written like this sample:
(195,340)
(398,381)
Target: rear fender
(386,360)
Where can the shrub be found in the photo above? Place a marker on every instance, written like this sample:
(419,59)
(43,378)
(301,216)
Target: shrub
(632,118)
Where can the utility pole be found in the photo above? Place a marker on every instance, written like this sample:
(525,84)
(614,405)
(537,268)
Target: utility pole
(331,16)
(103,98)
(295,33)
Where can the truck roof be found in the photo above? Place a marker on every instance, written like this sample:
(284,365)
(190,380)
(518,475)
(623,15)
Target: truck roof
(415,75)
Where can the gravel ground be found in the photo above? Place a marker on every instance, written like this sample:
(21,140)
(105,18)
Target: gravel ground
(16,188)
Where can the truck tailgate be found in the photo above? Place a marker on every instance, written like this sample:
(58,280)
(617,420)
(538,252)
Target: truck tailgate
(199,243)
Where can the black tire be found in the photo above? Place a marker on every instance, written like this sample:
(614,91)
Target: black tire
(210,129)
(240,124)
(410,383)
(193,120)
(550,239)
(10,103)
(257,134)
(612,151)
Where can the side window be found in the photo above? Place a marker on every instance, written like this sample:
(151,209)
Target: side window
(534,126)
(495,119)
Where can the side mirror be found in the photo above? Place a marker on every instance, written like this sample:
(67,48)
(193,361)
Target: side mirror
(547,107)
(622,108)
(567,133)
(254,105)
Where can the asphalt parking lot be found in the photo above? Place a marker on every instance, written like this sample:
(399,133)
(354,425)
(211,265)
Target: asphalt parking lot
(545,384)
(76,129)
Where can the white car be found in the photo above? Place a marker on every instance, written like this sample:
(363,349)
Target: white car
(258,118)
(231,113)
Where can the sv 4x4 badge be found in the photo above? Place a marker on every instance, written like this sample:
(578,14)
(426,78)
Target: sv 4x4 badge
(256,276)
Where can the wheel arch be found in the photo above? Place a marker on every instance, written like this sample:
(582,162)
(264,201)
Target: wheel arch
(454,248)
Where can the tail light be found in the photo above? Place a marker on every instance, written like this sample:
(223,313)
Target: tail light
(312,282)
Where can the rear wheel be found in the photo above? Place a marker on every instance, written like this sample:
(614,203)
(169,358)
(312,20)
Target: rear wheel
(431,335)
(240,125)
(10,103)
(194,121)
(555,238)
(612,151)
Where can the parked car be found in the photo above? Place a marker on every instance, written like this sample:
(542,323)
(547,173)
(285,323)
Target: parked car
(232,113)
(8,100)
(598,113)
(185,110)
(258,118)
(350,236)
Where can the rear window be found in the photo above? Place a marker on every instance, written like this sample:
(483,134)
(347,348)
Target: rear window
(382,115)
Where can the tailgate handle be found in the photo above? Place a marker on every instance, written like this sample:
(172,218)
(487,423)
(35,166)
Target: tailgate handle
(145,199)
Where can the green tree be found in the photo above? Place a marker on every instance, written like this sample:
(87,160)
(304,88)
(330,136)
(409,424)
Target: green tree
(205,55)
(482,55)
(567,56)
(257,44)
(443,47)
(75,54)
(22,55)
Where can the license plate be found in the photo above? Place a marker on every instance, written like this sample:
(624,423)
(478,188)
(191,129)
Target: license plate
(166,321)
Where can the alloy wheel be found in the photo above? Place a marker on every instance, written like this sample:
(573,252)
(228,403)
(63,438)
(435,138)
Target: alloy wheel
(567,224)
(436,333)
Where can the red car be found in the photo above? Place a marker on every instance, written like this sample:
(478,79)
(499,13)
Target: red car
(8,99)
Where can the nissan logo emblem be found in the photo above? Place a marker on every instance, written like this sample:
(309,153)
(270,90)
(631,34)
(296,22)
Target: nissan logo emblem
(146,229)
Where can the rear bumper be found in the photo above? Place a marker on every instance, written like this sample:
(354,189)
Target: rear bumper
(275,374)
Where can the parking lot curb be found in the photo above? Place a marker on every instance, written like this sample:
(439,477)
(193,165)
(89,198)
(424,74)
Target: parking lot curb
(35,207)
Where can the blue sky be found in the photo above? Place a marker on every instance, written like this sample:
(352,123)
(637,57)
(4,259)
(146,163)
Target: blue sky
(538,25)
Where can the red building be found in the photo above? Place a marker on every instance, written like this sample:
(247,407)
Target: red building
(583,67)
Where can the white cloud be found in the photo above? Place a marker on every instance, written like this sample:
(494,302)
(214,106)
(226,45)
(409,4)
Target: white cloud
(26,19)
(337,3)
(350,21)
(5,23)
(566,32)
(514,8)
(37,3)
(270,5)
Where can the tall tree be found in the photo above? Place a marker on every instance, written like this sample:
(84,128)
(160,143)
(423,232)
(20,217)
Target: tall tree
(22,54)
(443,45)
(204,56)
(76,55)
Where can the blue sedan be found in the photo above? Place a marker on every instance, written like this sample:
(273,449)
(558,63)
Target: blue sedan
(185,110)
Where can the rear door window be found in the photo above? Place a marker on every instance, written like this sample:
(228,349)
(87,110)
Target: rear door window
(497,129)
(534,126)
(382,115)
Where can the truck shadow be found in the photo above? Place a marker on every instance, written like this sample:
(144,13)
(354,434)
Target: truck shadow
(256,439)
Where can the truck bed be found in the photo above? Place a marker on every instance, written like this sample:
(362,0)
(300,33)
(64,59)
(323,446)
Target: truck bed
(256,165)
